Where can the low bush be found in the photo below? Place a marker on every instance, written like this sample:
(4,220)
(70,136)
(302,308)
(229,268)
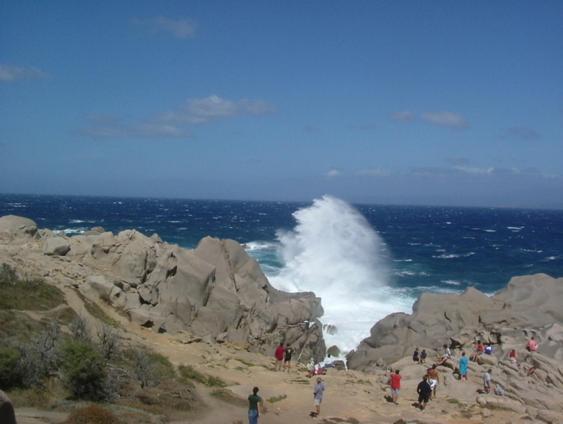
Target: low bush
(190,373)
(26,294)
(84,370)
(93,414)
(10,375)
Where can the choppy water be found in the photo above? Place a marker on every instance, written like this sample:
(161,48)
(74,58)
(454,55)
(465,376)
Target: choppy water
(364,261)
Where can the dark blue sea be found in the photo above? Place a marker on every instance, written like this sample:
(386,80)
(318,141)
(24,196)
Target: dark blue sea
(388,254)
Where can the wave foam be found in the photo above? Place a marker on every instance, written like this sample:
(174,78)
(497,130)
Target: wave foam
(334,252)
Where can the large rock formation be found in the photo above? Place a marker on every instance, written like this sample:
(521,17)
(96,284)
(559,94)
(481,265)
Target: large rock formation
(215,290)
(528,306)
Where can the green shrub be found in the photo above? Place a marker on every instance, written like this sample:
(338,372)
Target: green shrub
(149,367)
(26,294)
(92,414)
(10,375)
(190,373)
(84,370)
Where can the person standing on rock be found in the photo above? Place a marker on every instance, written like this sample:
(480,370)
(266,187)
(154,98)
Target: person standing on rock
(532,345)
(416,356)
(433,379)
(423,356)
(279,354)
(395,383)
(463,366)
(255,404)
(288,353)
(487,381)
(318,393)
(424,392)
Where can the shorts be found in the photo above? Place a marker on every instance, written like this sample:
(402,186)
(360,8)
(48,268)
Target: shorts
(395,391)
(433,383)
(423,399)
(317,402)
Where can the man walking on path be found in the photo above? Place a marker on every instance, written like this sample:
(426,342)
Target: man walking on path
(424,392)
(395,383)
(433,379)
(318,392)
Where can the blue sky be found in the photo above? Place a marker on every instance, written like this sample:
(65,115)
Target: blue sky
(399,102)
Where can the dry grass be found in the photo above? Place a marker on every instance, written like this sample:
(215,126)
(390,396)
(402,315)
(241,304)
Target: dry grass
(92,414)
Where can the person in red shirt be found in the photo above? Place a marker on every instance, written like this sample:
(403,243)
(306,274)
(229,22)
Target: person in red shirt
(532,345)
(279,354)
(395,383)
(513,356)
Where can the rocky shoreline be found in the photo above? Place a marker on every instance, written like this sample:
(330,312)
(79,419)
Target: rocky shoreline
(213,303)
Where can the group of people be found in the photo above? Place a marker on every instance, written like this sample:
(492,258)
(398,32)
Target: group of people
(283,355)
(426,388)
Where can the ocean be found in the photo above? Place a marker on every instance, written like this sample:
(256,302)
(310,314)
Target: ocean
(364,261)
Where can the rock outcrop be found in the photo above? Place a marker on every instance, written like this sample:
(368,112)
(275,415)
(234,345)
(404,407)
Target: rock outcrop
(14,227)
(7,415)
(215,290)
(528,306)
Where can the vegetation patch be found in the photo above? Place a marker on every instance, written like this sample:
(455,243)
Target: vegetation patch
(190,373)
(26,294)
(275,399)
(84,370)
(228,396)
(97,312)
(92,414)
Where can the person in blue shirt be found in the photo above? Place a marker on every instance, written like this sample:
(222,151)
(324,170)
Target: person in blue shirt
(463,365)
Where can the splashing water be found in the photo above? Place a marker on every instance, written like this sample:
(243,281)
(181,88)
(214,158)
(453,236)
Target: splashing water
(334,252)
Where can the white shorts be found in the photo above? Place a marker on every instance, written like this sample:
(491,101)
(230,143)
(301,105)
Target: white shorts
(433,383)
(317,401)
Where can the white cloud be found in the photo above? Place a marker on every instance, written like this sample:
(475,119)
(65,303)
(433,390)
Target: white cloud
(445,119)
(177,123)
(9,73)
(333,172)
(373,172)
(201,110)
(112,127)
(403,116)
(474,170)
(179,28)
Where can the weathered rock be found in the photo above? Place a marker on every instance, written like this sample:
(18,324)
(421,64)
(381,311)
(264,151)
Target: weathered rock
(56,246)
(527,302)
(216,290)
(501,403)
(12,226)
(7,415)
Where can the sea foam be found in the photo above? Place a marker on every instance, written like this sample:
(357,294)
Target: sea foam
(333,251)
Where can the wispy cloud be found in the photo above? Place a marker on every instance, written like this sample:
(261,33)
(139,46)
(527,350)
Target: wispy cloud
(9,73)
(114,127)
(202,110)
(176,123)
(179,27)
(403,116)
(521,133)
(333,172)
(373,172)
(445,119)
